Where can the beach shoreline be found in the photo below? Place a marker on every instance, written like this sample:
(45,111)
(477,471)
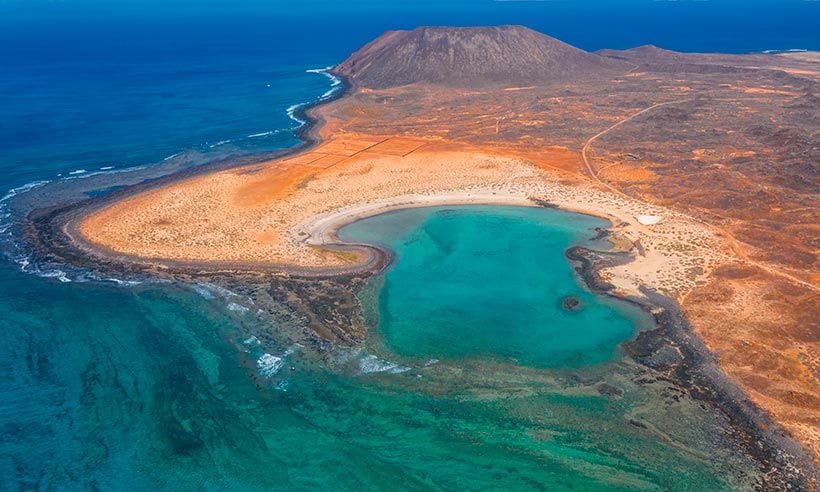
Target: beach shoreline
(695,370)
(55,234)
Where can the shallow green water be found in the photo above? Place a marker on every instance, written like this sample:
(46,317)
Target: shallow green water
(472,281)
(160,387)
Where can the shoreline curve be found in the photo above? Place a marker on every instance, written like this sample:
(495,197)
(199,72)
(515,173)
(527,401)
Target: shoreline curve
(56,232)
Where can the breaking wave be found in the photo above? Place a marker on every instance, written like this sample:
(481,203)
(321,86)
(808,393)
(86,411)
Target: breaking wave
(372,364)
(221,142)
(792,50)
(269,364)
(22,189)
(335,86)
(335,81)
(292,113)
(262,134)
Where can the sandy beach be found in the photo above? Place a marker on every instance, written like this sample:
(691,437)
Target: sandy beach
(283,213)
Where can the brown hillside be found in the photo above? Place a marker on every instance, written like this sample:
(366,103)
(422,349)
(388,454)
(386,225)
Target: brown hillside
(472,56)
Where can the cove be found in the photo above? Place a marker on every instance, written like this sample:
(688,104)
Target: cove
(492,281)
(157,386)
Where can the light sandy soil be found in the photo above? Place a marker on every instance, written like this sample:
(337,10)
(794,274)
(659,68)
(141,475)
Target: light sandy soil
(282,212)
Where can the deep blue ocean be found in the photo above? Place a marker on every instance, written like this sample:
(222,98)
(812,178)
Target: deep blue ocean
(147,386)
(87,84)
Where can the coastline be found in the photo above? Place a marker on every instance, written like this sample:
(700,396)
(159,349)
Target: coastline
(322,230)
(55,234)
(674,350)
(694,369)
(42,228)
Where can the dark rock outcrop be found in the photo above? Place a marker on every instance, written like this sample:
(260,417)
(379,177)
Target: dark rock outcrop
(571,303)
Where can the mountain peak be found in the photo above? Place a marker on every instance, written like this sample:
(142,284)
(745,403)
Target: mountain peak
(470,57)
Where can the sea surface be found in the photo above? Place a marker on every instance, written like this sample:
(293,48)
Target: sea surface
(473,372)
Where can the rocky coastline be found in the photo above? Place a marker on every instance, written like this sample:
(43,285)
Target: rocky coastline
(676,354)
(670,349)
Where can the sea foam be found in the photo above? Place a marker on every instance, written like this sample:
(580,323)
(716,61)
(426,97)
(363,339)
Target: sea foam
(251,341)
(237,308)
(292,113)
(263,134)
(335,81)
(269,364)
(371,364)
(221,142)
(792,50)
(209,290)
(22,189)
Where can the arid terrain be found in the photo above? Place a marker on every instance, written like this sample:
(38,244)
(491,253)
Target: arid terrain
(706,165)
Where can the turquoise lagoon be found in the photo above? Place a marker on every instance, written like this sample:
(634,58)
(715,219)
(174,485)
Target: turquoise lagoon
(473,377)
(490,281)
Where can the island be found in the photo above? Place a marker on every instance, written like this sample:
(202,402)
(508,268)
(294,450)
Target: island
(704,164)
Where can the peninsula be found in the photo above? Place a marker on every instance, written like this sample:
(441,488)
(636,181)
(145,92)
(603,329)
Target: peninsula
(705,164)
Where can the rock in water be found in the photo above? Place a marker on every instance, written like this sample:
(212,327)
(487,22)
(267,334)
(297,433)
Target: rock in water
(571,303)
